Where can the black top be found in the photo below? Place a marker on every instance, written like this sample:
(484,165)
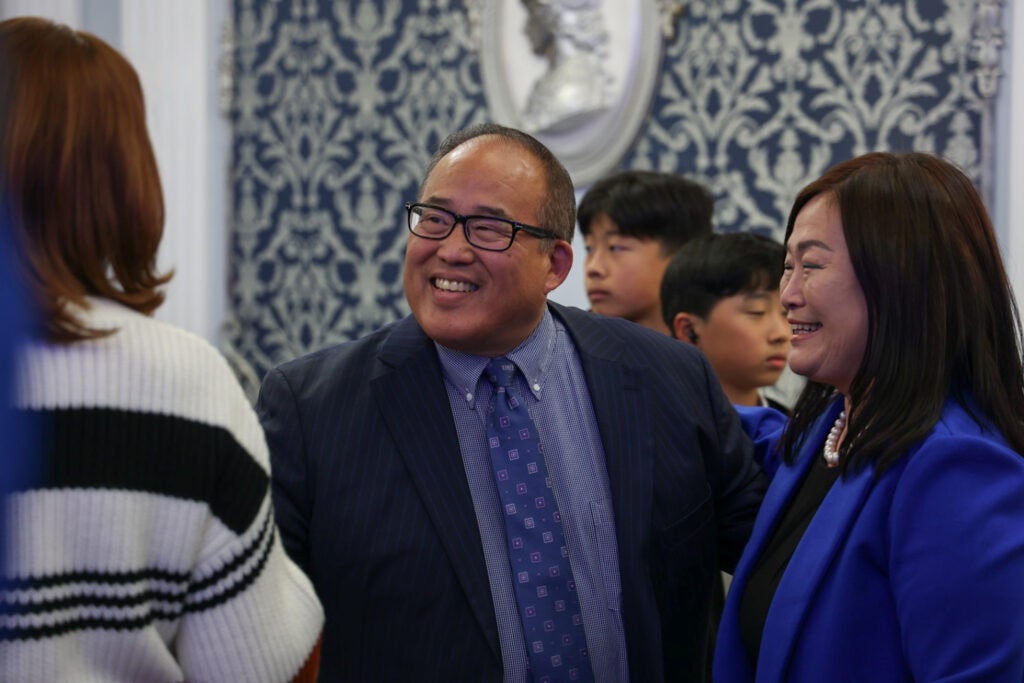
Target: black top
(766,575)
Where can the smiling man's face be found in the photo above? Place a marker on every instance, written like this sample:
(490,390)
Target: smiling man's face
(468,299)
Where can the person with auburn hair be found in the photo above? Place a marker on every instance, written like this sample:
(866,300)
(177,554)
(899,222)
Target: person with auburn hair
(148,552)
(890,545)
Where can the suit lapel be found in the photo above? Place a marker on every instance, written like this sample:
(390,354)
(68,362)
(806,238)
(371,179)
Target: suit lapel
(808,567)
(411,397)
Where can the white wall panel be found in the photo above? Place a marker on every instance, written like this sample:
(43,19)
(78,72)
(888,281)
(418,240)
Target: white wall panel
(169,43)
(64,11)
(1008,208)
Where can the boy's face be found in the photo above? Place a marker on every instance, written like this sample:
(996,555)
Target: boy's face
(746,339)
(623,274)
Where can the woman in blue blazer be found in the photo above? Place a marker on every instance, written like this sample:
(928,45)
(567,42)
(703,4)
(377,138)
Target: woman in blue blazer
(890,545)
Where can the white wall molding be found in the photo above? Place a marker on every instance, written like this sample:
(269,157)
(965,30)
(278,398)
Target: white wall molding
(1008,203)
(172,43)
(64,11)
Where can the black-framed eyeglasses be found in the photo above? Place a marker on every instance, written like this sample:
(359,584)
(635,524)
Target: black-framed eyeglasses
(484,232)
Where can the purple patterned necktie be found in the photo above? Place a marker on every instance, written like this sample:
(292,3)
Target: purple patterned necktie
(544,587)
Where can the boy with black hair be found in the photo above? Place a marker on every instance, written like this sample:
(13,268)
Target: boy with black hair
(721,294)
(633,222)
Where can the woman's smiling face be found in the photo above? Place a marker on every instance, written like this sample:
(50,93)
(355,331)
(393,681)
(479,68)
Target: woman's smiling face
(823,299)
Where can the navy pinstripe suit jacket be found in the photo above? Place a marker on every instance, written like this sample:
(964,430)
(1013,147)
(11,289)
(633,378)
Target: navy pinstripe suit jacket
(373,503)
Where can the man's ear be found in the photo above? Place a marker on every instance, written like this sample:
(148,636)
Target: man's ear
(561,263)
(684,326)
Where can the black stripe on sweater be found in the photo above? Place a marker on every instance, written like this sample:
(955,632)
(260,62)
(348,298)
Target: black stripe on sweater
(261,541)
(76,600)
(157,604)
(105,623)
(162,454)
(111,578)
(239,583)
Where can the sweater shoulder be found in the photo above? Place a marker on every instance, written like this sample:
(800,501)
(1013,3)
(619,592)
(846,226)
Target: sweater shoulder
(145,366)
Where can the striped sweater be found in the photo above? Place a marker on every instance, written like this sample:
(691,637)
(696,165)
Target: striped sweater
(147,550)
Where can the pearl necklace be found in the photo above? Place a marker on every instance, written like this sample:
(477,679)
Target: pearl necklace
(830,453)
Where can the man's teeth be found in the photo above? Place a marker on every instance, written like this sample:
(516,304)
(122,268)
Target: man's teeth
(454,285)
(805,329)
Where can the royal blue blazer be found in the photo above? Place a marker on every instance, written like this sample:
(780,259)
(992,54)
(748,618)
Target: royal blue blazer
(916,575)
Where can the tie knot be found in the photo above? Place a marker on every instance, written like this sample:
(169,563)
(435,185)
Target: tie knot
(501,371)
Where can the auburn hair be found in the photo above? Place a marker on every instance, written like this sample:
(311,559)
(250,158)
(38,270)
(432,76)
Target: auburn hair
(78,169)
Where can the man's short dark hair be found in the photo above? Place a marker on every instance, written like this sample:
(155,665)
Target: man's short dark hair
(708,269)
(650,205)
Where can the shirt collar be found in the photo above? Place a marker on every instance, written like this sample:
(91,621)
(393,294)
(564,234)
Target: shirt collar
(532,357)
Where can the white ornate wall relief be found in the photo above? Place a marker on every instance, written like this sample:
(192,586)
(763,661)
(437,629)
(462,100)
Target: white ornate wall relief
(578,74)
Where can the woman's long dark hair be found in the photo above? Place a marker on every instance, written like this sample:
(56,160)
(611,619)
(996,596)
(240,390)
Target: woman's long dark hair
(942,320)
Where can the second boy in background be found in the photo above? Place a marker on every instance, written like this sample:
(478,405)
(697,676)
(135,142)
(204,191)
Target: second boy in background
(721,293)
(633,222)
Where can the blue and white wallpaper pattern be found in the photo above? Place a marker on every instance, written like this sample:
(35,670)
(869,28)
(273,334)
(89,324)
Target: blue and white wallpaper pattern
(337,106)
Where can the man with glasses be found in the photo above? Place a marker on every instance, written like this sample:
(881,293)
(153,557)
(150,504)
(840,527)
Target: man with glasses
(499,488)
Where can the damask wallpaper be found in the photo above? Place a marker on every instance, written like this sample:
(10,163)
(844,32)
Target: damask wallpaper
(337,106)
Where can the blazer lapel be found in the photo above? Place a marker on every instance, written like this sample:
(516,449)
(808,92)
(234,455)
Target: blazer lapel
(411,397)
(808,567)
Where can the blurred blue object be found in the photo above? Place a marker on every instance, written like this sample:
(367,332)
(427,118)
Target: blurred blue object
(764,426)
(18,466)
